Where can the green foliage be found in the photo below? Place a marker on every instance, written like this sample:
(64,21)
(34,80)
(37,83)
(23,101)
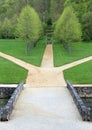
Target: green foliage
(87,25)
(29,26)
(56,8)
(80,74)
(68,28)
(42,7)
(83,8)
(47,9)
(7,29)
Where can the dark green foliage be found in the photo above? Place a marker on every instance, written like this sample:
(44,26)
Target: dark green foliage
(56,9)
(7,29)
(83,10)
(87,25)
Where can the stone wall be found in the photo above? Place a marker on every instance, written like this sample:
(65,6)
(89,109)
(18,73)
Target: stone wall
(6,110)
(5,92)
(84,91)
(83,109)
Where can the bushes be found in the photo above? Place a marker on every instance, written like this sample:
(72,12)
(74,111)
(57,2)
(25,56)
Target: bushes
(87,26)
(7,29)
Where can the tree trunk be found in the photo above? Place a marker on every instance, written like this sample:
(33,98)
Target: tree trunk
(67,47)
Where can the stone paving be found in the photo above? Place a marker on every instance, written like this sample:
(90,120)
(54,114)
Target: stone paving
(44,104)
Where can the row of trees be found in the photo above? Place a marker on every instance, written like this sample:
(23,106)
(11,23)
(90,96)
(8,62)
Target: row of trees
(28,27)
(47,9)
(72,20)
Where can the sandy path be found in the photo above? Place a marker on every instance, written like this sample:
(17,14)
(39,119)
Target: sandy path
(67,66)
(17,61)
(48,57)
(46,75)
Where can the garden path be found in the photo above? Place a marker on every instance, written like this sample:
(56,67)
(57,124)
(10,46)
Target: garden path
(44,108)
(46,75)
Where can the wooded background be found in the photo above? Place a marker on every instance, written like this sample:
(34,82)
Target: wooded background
(46,9)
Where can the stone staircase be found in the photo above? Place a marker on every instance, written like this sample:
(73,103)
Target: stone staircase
(49,33)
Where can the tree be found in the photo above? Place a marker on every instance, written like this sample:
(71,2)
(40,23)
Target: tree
(29,27)
(68,28)
(6,28)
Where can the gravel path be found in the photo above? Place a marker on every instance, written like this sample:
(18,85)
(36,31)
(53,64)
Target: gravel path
(47,61)
(49,107)
(46,75)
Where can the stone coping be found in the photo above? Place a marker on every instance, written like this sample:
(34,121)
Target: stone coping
(83,109)
(7,109)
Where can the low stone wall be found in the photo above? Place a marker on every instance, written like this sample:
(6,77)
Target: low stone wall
(6,110)
(84,91)
(6,92)
(83,109)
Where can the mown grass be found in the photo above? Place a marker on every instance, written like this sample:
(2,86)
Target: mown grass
(81,74)
(10,72)
(78,51)
(17,48)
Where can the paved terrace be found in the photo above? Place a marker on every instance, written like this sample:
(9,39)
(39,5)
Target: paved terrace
(45,103)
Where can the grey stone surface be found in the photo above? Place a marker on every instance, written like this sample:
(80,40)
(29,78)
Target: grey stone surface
(83,109)
(5,92)
(84,91)
(7,109)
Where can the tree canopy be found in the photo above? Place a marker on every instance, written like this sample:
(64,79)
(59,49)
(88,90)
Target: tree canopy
(68,28)
(29,26)
(47,9)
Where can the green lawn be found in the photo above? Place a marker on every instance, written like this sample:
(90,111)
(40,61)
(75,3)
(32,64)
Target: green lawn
(81,74)
(10,72)
(79,51)
(17,49)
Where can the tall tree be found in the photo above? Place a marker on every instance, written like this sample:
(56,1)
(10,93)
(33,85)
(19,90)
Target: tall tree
(68,28)
(29,26)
